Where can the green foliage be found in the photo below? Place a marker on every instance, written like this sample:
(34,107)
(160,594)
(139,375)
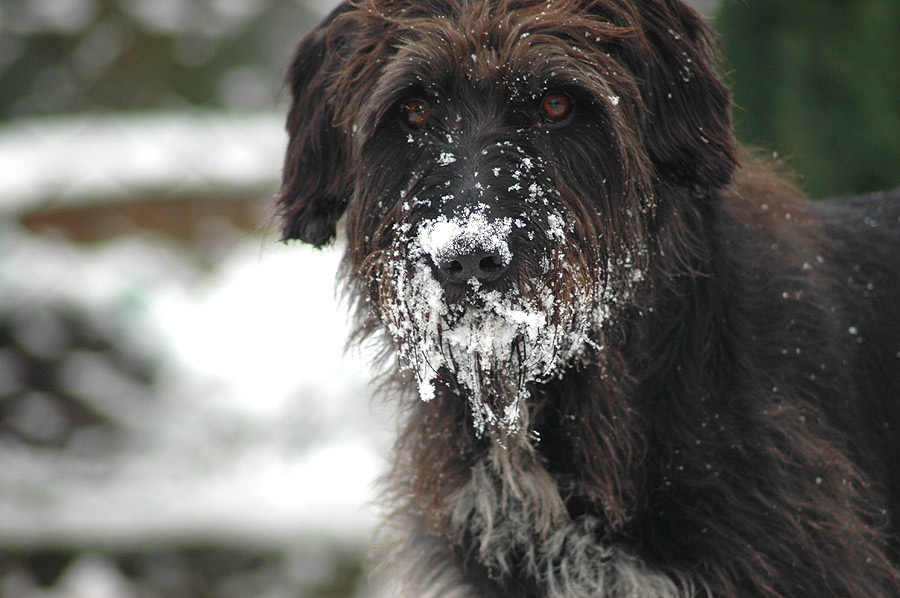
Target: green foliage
(819,81)
(97,55)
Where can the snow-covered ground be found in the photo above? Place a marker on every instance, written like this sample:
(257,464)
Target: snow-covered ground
(260,428)
(259,433)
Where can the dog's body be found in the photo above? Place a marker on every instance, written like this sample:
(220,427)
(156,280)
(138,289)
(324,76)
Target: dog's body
(634,362)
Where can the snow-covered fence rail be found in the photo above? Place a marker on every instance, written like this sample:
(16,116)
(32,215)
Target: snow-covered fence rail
(112,164)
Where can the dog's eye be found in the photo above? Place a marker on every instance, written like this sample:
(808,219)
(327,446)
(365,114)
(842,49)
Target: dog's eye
(556,106)
(415,113)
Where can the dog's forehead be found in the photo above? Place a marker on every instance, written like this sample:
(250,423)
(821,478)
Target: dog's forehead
(491,40)
(448,67)
(519,52)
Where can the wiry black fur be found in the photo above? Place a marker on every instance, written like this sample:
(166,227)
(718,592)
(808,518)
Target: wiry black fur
(729,428)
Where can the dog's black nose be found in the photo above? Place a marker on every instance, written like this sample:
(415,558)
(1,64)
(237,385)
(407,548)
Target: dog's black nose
(468,246)
(483,266)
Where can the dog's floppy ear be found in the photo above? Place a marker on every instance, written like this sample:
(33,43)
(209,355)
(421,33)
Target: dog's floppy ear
(315,181)
(688,132)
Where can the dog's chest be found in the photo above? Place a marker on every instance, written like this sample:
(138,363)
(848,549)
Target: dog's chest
(517,528)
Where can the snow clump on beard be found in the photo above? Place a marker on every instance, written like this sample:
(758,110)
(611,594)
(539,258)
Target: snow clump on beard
(493,342)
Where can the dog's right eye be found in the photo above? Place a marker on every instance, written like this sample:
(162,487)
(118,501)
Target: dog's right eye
(415,113)
(556,106)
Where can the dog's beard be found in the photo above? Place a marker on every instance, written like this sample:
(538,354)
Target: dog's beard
(493,343)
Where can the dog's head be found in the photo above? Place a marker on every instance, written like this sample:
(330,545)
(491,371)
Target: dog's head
(502,165)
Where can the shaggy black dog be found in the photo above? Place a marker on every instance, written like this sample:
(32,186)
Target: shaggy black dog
(634,363)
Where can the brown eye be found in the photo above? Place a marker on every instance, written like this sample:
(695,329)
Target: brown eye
(415,113)
(556,106)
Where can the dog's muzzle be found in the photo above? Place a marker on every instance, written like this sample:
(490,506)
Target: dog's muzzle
(468,248)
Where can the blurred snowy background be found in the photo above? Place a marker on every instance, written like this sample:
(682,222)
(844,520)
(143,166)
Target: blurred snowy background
(178,417)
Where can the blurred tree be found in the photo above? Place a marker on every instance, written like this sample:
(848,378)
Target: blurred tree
(60,56)
(819,81)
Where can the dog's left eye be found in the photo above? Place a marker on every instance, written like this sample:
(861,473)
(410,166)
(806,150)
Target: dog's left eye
(415,113)
(556,106)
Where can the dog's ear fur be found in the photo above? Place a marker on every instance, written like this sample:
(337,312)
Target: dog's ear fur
(316,181)
(688,132)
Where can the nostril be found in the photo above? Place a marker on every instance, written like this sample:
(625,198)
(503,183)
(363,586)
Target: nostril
(479,265)
(490,264)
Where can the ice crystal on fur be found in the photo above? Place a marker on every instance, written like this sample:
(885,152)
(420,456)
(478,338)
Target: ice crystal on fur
(494,343)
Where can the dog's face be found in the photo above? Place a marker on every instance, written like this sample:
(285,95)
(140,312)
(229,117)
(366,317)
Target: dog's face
(505,167)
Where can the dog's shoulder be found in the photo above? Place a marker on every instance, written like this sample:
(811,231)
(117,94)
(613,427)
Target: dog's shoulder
(865,221)
(863,255)
(862,235)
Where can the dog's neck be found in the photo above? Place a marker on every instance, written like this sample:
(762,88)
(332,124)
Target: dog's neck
(575,459)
